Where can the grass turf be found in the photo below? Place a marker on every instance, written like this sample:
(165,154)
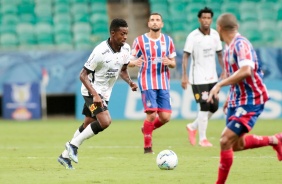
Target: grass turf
(29,151)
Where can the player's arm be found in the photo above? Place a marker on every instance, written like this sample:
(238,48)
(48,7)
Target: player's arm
(170,62)
(125,76)
(86,82)
(220,61)
(244,72)
(184,78)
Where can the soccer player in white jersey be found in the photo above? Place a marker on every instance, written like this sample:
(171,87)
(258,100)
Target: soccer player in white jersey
(202,44)
(107,61)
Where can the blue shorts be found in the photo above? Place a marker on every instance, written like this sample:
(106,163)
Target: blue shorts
(156,100)
(243,118)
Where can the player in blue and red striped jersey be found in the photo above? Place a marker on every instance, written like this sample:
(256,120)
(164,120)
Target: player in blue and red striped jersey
(154,53)
(246,100)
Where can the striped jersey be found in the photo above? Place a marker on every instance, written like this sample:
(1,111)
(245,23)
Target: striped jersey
(153,74)
(251,90)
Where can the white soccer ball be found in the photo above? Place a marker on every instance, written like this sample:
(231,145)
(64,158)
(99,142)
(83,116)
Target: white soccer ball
(167,160)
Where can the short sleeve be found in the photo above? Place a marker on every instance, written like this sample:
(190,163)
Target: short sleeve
(93,60)
(244,53)
(188,47)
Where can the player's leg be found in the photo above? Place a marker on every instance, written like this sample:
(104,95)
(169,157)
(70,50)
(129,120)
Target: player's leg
(150,108)
(164,108)
(192,127)
(64,157)
(101,122)
(227,139)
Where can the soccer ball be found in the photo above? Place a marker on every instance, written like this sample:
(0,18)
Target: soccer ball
(167,160)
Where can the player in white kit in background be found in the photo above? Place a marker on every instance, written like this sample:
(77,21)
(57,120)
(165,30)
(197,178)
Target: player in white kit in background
(202,45)
(107,61)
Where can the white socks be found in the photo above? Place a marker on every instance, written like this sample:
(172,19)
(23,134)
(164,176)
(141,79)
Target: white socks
(201,123)
(86,134)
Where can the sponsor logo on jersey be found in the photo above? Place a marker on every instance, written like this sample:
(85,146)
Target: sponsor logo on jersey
(92,108)
(149,104)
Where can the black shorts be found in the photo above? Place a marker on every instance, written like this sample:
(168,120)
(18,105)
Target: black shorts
(89,109)
(201,91)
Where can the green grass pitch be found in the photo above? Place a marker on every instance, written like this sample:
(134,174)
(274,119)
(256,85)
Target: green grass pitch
(29,151)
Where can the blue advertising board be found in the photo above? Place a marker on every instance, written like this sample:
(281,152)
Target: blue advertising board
(125,104)
(21,101)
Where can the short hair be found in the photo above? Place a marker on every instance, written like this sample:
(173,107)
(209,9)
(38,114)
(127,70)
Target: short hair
(205,10)
(117,23)
(228,22)
(155,13)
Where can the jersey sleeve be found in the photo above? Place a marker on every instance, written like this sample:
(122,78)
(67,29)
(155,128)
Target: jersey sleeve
(171,48)
(188,47)
(244,53)
(127,55)
(93,60)
(135,51)
(218,43)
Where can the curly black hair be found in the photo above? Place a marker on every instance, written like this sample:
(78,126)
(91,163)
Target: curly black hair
(205,10)
(117,23)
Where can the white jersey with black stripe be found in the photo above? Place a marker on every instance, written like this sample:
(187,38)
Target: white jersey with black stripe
(203,49)
(106,65)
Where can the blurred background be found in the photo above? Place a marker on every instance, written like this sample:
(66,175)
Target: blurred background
(45,43)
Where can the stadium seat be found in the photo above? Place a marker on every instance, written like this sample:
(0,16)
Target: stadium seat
(62,18)
(26,36)
(44,33)
(44,13)
(62,28)
(10,19)
(8,8)
(81,28)
(7,28)
(99,18)
(178,26)
(79,8)
(279,14)
(63,38)
(267,14)
(247,6)
(61,1)
(98,7)
(25,8)
(27,18)
(231,7)
(248,15)
(43,2)
(8,41)
(215,6)
(61,8)
(194,8)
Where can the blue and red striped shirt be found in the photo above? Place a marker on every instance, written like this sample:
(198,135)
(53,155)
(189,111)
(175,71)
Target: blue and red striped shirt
(251,90)
(153,74)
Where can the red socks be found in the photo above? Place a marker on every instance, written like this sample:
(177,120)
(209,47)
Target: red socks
(157,123)
(148,128)
(226,159)
(254,141)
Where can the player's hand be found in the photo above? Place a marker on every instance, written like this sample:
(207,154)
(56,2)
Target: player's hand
(213,93)
(184,82)
(133,86)
(166,61)
(138,62)
(97,101)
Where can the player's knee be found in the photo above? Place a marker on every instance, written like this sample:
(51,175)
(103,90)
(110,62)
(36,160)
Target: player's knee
(224,143)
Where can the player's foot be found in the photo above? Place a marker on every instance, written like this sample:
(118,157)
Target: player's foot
(191,135)
(205,143)
(148,150)
(72,149)
(278,146)
(66,162)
